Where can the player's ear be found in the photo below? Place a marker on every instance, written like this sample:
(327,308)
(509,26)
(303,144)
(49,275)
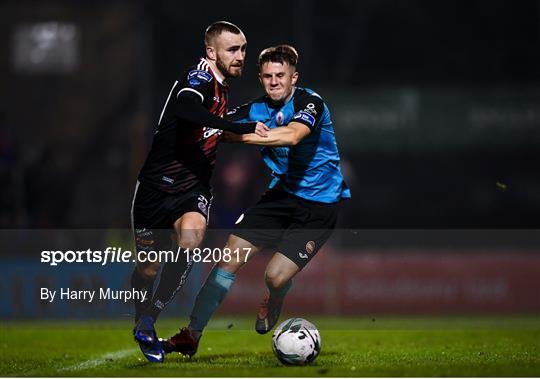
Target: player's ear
(294,77)
(210,52)
(260,78)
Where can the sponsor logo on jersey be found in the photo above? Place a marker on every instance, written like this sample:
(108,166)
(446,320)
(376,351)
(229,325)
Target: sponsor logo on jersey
(194,82)
(310,108)
(201,75)
(209,132)
(304,116)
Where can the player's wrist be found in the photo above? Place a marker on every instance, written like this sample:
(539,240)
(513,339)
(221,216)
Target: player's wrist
(252,126)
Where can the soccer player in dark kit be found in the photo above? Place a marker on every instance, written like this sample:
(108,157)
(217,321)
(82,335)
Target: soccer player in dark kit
(173,194)
(298,212)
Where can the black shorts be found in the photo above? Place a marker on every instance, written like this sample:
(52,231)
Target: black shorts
(297,227)
(154,213)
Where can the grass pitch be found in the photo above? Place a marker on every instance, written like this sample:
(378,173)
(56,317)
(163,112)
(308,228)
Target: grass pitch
(381,346)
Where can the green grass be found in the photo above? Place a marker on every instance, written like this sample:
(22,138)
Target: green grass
(386,346)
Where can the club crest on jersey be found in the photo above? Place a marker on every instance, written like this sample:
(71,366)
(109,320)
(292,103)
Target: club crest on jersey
(203,204)
(304,116)
(310,248)
(199,75)
(280,118)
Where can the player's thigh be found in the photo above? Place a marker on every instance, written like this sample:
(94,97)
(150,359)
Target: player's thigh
(241,251)
(280,270)
(303,240)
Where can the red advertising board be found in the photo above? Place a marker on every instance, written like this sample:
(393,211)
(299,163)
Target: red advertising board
(412,281)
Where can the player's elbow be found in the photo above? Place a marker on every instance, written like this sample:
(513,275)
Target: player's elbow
(294,139)
(293,143)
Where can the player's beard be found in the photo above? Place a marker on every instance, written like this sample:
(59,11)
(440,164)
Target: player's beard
(228,71)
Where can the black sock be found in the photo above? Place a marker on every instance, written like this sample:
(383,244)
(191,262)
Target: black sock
(139,283)
(173,276)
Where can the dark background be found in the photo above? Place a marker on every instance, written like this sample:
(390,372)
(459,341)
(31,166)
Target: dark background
(436,105)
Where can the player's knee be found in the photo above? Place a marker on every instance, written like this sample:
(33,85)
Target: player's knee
(190,221)
(275,278)
(190,239)
(190,228)
(232,266)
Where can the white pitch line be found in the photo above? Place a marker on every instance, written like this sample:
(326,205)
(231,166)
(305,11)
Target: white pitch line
(92,363)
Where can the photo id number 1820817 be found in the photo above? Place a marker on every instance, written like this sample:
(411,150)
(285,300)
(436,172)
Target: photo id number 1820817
(208,255)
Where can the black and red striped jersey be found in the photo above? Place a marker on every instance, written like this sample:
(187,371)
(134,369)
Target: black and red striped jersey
(183,154)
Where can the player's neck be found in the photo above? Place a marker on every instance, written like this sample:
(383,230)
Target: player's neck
(217,74)
(290,96)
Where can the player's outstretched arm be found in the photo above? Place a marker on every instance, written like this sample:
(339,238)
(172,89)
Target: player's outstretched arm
(189,108)
(289,135)
(261,130)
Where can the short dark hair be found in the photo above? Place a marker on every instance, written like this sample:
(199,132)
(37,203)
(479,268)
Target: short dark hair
(219,27)
(279,54)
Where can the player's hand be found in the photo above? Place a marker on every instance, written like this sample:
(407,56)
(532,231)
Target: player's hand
(261,129)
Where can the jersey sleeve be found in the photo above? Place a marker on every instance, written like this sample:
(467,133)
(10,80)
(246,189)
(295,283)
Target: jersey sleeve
(308,111)
(240,114)
(198,82)
(188,108)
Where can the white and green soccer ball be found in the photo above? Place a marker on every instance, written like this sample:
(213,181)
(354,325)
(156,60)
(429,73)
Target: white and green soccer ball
(296,342)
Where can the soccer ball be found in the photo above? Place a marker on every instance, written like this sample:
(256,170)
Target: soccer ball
(296,342)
